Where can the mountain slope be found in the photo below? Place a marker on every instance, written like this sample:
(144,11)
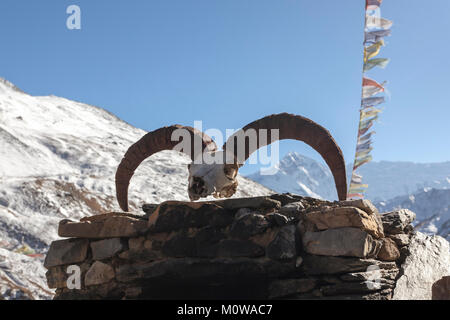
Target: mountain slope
(299,175)
(57,160)
(432,207)
(388,179)
(305,176)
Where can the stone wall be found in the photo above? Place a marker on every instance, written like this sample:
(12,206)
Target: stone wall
(275,247)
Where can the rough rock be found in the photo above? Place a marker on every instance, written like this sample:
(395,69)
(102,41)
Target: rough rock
(293,209)
(277,219)
(286,198)
(112,226)
(351,242)
(441,289)
(99,273)
(177,215)
(248,225)
(238,248)
(400,239)
(57,276)
(286,287)
(356,287)
(389,250)
(148,208)
(265,204)
(66,252)
(428,261)
(372,274)
(315,265)
(107,248)
(203,269)
(362,204)
(284,245)
(180,245)
(397,221)
(344,217)
(136,244)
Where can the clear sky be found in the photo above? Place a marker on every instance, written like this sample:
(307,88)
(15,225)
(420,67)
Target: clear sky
(229,62)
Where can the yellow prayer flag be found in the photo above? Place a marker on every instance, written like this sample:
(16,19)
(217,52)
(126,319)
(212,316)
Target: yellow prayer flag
(373,50)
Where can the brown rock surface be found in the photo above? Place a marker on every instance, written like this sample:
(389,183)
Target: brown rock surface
(389,250)
(441,289)
(112,226)
(345,217)
(67,251)
(350,242)
(99,273)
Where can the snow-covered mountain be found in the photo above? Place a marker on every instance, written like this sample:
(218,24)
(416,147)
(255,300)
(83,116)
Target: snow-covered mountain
(386,179)
(299,175)
(432,207)
(57,160)
(389,179)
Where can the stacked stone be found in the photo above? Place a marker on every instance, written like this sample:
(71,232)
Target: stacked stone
(353,251)
(276,247)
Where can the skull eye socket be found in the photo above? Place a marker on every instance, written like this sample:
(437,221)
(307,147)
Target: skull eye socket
(230,171)
(198,185)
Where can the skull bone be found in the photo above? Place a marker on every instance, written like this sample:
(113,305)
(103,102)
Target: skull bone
(212,175)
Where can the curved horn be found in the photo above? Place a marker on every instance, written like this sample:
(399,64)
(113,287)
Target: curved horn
(151,143)
(298,128)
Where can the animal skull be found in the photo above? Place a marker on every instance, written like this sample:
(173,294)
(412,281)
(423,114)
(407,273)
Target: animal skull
(215,173)
(217,178)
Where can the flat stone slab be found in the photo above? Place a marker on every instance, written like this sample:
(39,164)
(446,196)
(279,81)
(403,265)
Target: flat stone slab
(260,203)
(286,287)
(371,275)
(362,204)
(340,217)
(198,269)
(177,215)
(105,226)
(317,265)
(350,242)
(107,248)
(67,251)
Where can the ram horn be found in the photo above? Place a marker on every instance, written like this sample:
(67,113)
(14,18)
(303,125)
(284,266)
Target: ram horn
(298,128)
(151,143)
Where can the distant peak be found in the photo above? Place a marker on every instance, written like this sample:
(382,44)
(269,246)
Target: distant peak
(295,157)
(9,85)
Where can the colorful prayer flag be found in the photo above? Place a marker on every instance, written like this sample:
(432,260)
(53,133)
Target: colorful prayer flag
(376,23)
(371,101)
(371,4)
(376,28)
(376,62)
(375,36)
(371,88)
(372,50)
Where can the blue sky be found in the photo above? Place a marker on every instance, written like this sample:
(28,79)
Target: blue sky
(229,62)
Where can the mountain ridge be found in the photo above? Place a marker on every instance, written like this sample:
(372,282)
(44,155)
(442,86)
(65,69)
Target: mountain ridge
(386,179)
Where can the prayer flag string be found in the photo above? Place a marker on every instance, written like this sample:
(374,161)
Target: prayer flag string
(375,29)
